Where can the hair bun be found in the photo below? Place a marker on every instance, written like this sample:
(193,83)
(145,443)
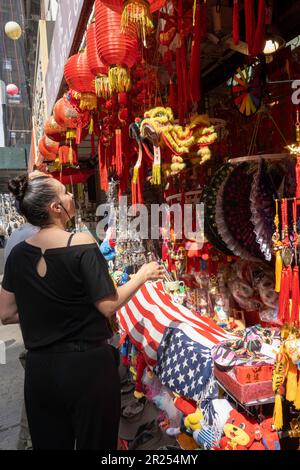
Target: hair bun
(18,186)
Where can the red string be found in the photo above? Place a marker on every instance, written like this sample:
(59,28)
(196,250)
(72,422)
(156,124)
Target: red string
(255,35)
(298,177)
(195,67)
(236,22)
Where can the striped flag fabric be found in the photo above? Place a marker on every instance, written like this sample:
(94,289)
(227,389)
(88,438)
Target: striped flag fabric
(147,315)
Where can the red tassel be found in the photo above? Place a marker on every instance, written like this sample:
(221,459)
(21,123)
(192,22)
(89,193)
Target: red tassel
(79,135)
(298,177)
(260,33)
(255,36)
(195,66)
(283,296)
(119,163)
(172,100)
(103,174)
(295,296)
(236,22)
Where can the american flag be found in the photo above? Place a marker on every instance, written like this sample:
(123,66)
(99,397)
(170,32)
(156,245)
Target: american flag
(185,366)
(147,315)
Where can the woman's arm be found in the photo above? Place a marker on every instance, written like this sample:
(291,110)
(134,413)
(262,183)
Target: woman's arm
(109,305)
(8,308)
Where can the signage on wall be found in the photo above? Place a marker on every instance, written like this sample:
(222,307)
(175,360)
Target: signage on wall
(64,31)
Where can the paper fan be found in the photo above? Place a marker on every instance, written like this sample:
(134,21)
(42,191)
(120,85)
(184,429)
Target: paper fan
(263,209)
(236,207)
(209,199)
(247,88)
(224,231)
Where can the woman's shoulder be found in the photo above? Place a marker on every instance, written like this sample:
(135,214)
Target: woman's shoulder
(82,238)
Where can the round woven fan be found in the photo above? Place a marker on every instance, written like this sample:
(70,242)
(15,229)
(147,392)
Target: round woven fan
(209,198)
(236,209)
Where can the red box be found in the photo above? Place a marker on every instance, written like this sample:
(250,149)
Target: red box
(244,393)
(252,374)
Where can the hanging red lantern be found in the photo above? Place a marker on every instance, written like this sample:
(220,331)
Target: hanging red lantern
(97,68)
(12,89)
(80,79)
(53,130)
(136,13)
(68,117)
(117,50)
(47,153)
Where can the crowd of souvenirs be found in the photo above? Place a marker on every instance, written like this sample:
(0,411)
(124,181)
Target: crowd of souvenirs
(212,353)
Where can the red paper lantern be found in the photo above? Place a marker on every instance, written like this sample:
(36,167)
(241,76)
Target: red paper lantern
(116,49)
(80,79)
(68,117)
(53,130)
(117,5)
(48,153)
(137,13)
(12,89)
(97,68)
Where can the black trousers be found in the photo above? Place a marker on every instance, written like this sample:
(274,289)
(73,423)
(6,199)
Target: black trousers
(73,399)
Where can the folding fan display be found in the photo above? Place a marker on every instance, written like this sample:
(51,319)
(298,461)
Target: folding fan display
(223,229)
(237,212)
(209,199)
(262,206)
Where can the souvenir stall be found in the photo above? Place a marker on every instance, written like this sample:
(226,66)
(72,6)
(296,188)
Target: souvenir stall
(210,354)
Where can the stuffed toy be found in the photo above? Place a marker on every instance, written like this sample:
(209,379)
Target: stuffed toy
(107,248)
(241,433)
(270,437)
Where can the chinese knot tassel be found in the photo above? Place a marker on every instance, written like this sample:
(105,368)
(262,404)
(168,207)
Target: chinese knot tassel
(277,415)
(295,296)
(291,384)
(278,271)
(119,163)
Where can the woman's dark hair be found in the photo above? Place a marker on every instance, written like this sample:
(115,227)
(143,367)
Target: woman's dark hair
(33,196)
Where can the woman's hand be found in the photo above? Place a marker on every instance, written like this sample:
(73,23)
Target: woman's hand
(151,272)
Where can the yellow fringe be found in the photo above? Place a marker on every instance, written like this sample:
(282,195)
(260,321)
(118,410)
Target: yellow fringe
(297,399)
(156,174)
(71,134)
(137,13)
(91,128)
(278,271)
(70,156)
(291,384)
(102,86)
(277,415)
(135,175)
(119,79)
(138,395)
(88,101)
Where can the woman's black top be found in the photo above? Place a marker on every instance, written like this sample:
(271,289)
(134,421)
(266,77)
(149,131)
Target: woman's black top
(59,307)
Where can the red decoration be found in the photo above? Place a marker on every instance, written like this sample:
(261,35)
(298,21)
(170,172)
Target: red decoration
(67,155)
(78,74)
(68,117)
(195,66)
(12,89)
(236,22)
(117,50)
(255,34)
(72,176)
(117,5)
(47,153)
(53,130)
(97,68)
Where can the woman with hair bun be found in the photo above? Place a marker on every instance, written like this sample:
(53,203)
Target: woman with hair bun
(58,287)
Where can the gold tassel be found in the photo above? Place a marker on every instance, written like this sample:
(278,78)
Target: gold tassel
(102,86)
(277,415)
(135,175)
(278,271)
(119,79)
(137,13)
(88,101)
(297,399)
(70,156)
(156,174)
(71,134)
(291,384)
(91,128)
